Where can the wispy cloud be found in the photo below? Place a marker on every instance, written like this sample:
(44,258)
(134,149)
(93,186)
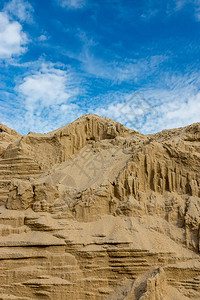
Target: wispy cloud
(122,71)
(47,96)
(43,38)
(197,10)
(117,71)
(111,60)
(72,4)
(20,9)
(46,99)
(164,107)
(169,8)
(192,5)
(12,37)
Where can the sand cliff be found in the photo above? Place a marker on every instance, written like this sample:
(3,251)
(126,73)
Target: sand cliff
(94,210)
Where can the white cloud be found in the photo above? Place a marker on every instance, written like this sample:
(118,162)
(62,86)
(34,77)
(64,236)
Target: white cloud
(42,38)
(42,121)
(131,109)
(47,119)
(20,9)
(117,71)
(47,97)
(120,71)
(180,4)
(48,86)
(170,8)
(46,100)
(179,111)
(73,4)
(171,107)
(197,10)
(12,38)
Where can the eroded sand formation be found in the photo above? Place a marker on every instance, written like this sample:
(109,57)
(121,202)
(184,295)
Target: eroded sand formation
(95,210)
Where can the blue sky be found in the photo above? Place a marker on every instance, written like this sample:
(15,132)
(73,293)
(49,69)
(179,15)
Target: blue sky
(136,62)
